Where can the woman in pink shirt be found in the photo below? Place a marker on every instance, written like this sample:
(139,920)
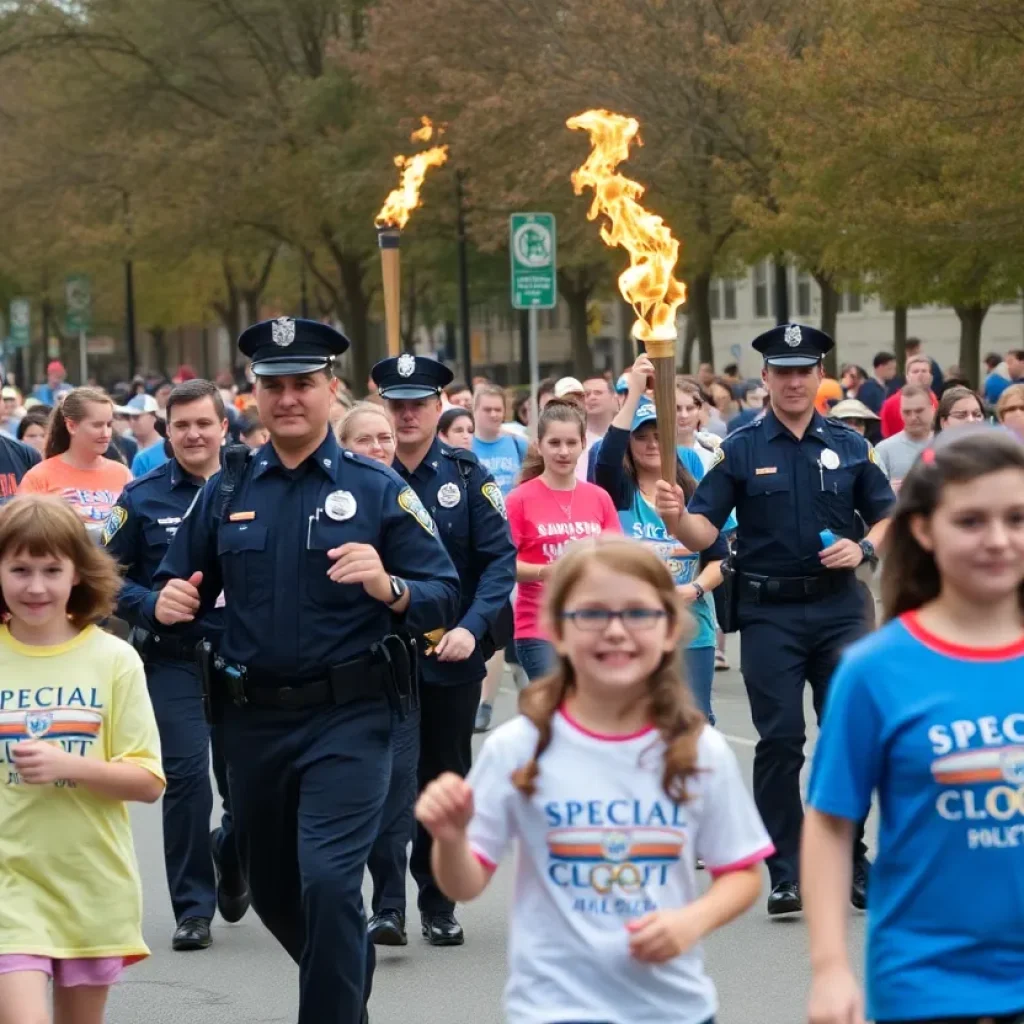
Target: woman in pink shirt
(548,510)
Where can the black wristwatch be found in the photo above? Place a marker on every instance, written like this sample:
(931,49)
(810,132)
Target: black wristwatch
(398,588)
(868,551)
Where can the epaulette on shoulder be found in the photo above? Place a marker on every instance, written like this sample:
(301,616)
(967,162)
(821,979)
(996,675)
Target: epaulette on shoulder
(366,462)
(161,470)
(459,455)
(745,428)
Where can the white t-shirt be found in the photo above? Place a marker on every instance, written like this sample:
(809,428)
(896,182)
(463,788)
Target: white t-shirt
(599,845)
(581,467)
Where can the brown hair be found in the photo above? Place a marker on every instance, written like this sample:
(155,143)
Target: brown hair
(917,359)
(345,427)
(949,398)
(558,410)
(44,525)
(672,708)
(489,390)
(910,577)
(1014,391)
(914,391)
(74,408)
(192,391)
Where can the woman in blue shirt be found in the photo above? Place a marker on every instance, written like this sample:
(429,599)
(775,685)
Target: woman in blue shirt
(929,713)
(629,468)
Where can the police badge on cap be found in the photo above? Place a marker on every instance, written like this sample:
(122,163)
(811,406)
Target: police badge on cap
(288,346)
(410,377)
(793,345)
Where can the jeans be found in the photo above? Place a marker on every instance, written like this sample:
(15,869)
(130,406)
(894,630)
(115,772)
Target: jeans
(700,674)
(537,657)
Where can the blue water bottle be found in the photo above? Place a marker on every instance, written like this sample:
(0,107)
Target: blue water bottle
(828,538)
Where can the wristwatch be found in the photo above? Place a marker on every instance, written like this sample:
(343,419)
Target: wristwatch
(868,551)
(398,588)
(700,590)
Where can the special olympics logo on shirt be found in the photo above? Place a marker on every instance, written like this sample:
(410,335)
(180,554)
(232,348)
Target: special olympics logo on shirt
(603,860)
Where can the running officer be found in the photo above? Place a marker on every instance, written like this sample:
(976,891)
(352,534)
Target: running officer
(797,481)
(137,533)
(322,557)
(467,505)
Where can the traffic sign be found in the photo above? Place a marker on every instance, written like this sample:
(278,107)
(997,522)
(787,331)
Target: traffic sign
(19,323)
(532,247)
(78,299)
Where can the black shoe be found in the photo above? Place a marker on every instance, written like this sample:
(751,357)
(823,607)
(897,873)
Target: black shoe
(232,888)
(859,886)
(441,929)
(193,933)
(388,928)
(785,899)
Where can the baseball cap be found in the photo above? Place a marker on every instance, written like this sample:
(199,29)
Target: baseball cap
(645,413)
(141,404)
(622,384)
(568,386)
(9,392)
(55,367)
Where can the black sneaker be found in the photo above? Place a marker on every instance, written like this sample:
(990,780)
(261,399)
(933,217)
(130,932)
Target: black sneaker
(785,899)
(441,929)
(387,928)
(193,933)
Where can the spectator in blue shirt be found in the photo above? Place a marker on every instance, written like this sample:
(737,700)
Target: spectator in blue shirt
(929,713)
(55,386)
(874,391)
(143,410)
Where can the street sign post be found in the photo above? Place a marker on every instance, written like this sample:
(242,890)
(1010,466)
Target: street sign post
(78,304)
(532,252)
(19,322)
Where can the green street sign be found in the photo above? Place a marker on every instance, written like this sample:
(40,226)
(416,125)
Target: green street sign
(78,300)
(19,323)
(532,247)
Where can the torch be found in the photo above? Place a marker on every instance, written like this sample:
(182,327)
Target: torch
(393,216)
(647,284)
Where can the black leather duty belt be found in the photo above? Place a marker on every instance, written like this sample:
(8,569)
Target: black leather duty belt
(793,589)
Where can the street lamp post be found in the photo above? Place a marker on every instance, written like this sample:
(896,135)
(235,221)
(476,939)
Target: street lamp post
(466,354)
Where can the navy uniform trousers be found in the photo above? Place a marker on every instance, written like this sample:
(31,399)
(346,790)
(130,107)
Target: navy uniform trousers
(185,741)
(782,646)
(307,792)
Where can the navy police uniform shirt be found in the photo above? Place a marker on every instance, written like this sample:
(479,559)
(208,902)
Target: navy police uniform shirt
(16,459)
(466,503)
(283,613)
(138,532)
(786,491)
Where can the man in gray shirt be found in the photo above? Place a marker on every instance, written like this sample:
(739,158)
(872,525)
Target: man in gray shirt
(896,454)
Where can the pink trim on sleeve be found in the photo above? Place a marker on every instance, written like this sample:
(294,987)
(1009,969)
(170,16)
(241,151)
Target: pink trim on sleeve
(746,862)
(485,860)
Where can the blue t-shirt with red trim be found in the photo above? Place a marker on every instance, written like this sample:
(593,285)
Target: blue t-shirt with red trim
(938,731)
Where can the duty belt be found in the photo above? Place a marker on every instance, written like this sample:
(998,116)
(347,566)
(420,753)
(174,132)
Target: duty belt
(171,648)
(793,589)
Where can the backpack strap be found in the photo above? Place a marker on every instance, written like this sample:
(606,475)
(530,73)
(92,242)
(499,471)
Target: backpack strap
(236,458)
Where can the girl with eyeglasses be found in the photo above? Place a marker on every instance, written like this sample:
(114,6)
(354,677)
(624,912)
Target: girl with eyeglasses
(958,407)
(611,785)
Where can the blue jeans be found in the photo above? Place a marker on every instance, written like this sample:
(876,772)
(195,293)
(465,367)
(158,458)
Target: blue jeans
(536,657)
(700,674)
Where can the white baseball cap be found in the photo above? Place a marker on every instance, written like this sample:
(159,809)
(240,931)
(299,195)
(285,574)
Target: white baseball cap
(568,386)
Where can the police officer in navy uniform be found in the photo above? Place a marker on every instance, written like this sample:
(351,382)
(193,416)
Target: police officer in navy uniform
(797,481)
(322,557)
(467,506)
(137,533)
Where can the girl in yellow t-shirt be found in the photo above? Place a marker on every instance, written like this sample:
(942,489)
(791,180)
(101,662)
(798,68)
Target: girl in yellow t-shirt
(78,739)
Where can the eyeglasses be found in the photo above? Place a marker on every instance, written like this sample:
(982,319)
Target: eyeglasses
(973,414)
(597,620)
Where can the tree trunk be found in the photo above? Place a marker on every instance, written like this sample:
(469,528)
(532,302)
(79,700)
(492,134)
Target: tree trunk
(365,351)
(159,336)
(899,334)
(627,344)
(971,319)
(829,319)
(698,301)
(576,287)
(689,337)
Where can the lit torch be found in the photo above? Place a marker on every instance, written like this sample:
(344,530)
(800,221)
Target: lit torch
(393,216)
(647,284)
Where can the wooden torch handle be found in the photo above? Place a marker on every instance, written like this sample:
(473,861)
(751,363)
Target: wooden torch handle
(663,355)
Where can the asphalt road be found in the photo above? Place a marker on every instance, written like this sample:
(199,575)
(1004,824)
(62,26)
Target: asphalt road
(759,965)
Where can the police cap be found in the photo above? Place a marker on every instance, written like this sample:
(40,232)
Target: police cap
(410,377)
(288,346)
(793,345)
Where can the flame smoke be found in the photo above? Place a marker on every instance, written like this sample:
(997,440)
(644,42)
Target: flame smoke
(647,284)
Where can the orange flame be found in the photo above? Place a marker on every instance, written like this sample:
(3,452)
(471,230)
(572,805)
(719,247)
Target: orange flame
(647,284)
(404,199)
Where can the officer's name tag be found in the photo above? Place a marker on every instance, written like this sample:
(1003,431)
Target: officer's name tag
(241,517)
(765,470)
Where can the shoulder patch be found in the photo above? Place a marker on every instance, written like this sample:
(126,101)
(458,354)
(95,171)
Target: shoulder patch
(718,459)
(710,442)
(872,454)
(117,518)
(492,492)
(409,501)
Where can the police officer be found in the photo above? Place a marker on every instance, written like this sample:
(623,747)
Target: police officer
(321,556)
(797,481)
(467,506)
(137,533)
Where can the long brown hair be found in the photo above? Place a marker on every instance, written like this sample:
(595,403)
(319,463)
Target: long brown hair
(556,411)
(45,525)
(74,408)
(683,476)
(910,577)
(672,708)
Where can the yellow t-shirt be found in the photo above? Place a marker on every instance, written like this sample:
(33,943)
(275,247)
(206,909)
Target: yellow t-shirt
(69,880)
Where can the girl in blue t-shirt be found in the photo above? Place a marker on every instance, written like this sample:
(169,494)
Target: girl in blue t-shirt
(929,713)
(629,468)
